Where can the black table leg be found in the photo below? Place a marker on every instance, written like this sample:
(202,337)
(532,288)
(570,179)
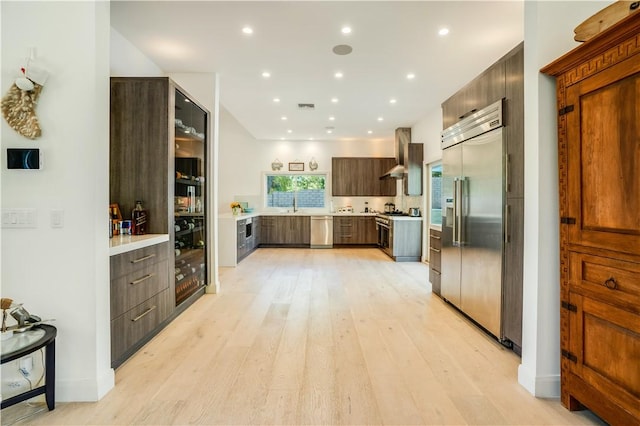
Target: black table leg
(50,378)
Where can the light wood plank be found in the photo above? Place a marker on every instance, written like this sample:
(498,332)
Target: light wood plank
(300,336)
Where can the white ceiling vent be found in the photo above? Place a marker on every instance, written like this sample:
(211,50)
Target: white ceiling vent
(307,106)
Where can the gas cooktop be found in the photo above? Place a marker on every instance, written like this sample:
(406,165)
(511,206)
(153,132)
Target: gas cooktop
(394,213)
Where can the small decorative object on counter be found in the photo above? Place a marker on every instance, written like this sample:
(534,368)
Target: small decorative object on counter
(125,228)
(276,165)
(366,207)
(313,164)
(236,208)
(139,219)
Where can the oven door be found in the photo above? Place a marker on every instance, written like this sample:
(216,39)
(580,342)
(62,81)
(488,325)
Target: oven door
(383,236)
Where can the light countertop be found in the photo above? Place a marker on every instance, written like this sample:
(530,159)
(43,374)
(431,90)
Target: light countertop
(123,243)
(277,213)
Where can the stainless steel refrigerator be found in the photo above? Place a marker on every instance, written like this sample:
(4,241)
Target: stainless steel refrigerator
(472,220)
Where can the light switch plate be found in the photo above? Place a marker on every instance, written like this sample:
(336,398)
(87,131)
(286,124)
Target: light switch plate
(57,218)
(19,218)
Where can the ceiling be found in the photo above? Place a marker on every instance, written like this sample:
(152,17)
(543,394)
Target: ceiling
(293,41)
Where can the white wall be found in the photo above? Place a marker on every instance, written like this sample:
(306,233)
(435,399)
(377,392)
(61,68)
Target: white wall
(548,35)
(63,273)
(427,131)
(127,61)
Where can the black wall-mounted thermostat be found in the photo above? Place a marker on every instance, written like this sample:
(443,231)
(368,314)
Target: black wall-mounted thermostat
(24,158)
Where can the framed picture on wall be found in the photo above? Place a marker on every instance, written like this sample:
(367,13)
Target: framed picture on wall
(296,167)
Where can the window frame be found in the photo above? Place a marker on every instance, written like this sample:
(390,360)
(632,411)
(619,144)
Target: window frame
(302,210)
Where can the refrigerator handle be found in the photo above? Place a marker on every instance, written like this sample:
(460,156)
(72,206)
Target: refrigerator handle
(507,212)
(464,207)
(456,212)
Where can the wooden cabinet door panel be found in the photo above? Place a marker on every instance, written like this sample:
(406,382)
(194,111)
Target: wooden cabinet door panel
(606,343)
(603,170)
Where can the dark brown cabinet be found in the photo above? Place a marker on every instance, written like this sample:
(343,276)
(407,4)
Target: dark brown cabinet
(360,176)
(598,93)
(413,159)
(354,230)
(487,88)
(435,271)
(292,231)
(139,298)
(158,154)
(158,151)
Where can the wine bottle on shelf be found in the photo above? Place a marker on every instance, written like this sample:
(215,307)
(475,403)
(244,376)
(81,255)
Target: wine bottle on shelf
(139,220)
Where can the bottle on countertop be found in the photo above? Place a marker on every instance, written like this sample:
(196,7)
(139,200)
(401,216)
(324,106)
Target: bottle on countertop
(139,219)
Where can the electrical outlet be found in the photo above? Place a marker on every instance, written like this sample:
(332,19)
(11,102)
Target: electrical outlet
(26,365)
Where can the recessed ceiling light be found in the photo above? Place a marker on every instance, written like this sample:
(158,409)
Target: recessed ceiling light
(380,118)
(310,139)
(346,30)
(266,74)
(289,131)
(443,31)
(411,76)
(369,131)
(392,101)
(332,118)
(329,131)
(281,139)
(334,100)
(276,100)
(247,30)
(338,75)
(283,118)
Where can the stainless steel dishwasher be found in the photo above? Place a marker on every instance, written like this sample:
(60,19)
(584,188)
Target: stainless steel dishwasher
(322,231)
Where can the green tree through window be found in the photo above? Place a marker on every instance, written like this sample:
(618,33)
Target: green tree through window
(308,190)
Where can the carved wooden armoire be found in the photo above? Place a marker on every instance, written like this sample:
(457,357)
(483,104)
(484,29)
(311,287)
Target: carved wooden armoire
(598,95)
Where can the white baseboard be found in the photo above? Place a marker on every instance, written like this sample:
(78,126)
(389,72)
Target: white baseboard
(85,390)
(539,386)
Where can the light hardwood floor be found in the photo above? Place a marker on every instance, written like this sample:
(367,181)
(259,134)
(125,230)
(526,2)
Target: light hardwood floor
(300,336)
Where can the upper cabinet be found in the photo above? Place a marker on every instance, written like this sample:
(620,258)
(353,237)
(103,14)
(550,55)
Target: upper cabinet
(487,88)
(413,158)
(360,176)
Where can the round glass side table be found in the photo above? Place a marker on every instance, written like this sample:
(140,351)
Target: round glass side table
(24,343)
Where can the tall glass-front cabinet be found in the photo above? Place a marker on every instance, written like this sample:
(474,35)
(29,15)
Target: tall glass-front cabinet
(158,155)
(189,196)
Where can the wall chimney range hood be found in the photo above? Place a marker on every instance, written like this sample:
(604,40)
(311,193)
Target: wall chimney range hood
(402,138)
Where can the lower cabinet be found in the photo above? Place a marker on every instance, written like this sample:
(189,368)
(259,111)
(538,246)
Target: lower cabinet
(405,240)
(435,245)
(285,230)
(354,230)
(141,298)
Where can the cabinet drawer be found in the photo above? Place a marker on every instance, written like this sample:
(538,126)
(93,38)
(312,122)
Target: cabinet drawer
(133,289)
(610,280)
(435,258)
(434,240)
(129,262)
(135,324)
